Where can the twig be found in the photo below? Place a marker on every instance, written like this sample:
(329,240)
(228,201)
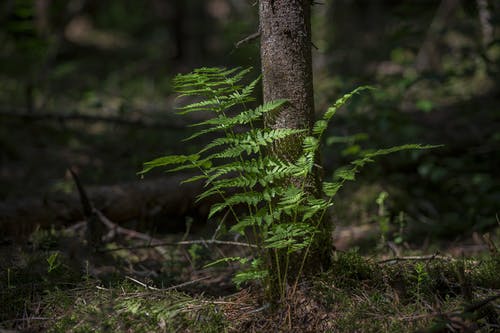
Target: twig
(131,233)
(198,241)
(247,39)
(94,227)
(75,227)
(31,318)
(140,283)
(416,258)
(394,249)
(187,283)
(95,219)
(262,308)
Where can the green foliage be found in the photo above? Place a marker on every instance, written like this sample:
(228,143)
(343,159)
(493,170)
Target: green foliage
(351,269)
(237,169)
(422,277)
(126,308)
(369,296)
(53,262)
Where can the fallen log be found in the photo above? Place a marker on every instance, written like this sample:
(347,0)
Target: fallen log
(163,202)
(92,118)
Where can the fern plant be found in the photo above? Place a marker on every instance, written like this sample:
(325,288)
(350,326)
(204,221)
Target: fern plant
(280,218)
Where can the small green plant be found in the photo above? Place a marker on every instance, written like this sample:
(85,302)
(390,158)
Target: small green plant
(422,278)
(399,234)
(384,222)
(382,216)
(281,218)
(9,282)
(53,262)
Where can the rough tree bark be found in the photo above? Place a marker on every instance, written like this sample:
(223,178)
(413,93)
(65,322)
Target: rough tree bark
(285,28)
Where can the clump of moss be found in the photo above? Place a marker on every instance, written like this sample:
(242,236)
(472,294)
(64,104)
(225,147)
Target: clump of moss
(487,272)
(34,275)
(409,295)
(349,269)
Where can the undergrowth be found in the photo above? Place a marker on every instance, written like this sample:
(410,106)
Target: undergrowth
(357,294)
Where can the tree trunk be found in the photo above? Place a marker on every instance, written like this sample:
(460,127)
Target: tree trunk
(285,28)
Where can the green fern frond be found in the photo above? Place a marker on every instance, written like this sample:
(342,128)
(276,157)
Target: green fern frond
(252,166)
(265,170)
(234,152)
(258,219)
(232,80)
(319,127)
(198,165)
(205,105)
(259,137)
(213,84)
(194,179)
(391,150)
(168,160)
(249,198)
(242,181)
(244,117)
(349,173)
(367,157)
(330,112)
(247,91)
(345,173)
(225,260)
(210,192)
(331,188)
(313,206)
(310,147)
(351,139)
(290,236)
(249,275)
(222,123)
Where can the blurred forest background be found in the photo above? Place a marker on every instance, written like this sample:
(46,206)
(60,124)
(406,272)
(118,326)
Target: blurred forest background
(86,84)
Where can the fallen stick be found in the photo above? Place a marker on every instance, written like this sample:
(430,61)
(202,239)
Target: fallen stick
(416,258)
(180,243)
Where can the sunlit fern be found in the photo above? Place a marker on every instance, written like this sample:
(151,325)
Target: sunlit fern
(236,167)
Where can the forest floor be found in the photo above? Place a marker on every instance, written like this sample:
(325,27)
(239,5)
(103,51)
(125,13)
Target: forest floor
(51,283)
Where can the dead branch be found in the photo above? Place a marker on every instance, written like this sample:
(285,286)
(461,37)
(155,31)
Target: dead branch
(416,258)
(96,221)
(180,243)
(247,39)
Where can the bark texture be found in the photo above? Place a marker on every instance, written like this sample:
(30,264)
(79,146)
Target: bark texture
(287,64)
(286,59)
